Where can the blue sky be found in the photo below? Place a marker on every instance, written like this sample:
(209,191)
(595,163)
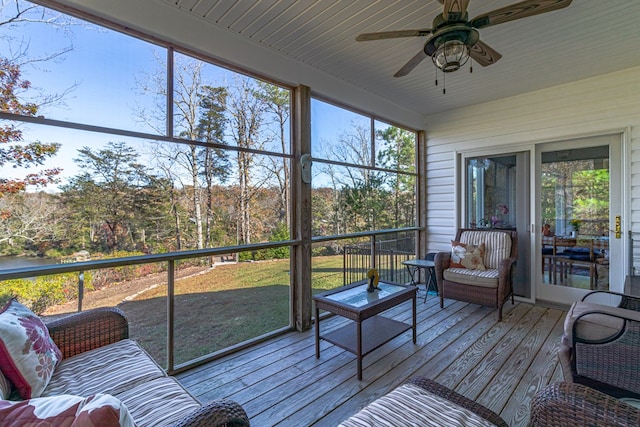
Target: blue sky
(106,70)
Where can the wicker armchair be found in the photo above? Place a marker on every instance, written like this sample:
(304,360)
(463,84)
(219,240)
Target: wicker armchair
(490,287)
(601,343)
(576,405)
(89,330)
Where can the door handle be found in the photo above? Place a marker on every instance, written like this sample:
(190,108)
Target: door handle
(618,227)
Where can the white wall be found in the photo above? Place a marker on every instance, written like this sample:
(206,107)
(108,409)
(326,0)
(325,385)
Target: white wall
(593,106)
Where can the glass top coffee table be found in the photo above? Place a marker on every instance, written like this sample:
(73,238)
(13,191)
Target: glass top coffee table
(355,303)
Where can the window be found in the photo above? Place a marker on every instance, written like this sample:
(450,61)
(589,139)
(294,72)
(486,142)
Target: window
(128,176)
(364,181)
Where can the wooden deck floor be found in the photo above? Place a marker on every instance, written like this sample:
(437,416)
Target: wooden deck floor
(498,364)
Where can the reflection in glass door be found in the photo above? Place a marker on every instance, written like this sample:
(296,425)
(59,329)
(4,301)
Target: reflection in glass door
(493,184)
(491,198)
(574,207)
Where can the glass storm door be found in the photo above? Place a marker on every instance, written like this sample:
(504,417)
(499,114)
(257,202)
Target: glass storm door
(580,249)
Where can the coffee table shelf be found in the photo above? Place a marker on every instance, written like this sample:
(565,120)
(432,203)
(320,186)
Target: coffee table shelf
(377,330)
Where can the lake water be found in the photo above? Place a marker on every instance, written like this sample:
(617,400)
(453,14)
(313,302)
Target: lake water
(24,261)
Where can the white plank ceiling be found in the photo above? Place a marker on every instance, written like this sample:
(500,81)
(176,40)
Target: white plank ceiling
(588,38)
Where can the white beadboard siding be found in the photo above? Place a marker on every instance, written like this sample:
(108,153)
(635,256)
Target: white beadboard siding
(591,106)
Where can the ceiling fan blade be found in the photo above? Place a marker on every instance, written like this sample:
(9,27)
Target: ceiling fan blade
(518,10)
(393,34)
(454,9)
(483,54)
(413,62)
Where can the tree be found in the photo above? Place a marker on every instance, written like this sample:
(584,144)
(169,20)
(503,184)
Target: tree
(397,152)
(14,14)
(31,222)
(277,103)
(575,189)
(354,187)
(19,97)
(24,155)
(246,111)
(213,101)
(199,115)
(110,185)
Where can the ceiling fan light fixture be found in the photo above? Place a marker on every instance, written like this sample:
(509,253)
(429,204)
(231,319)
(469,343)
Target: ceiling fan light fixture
(450,55)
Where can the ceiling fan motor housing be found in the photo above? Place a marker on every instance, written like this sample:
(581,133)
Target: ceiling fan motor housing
(449,47)
(454,38)
(463,33)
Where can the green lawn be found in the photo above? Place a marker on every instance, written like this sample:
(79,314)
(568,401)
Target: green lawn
(222,307)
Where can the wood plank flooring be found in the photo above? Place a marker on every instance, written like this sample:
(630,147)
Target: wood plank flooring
(498,364)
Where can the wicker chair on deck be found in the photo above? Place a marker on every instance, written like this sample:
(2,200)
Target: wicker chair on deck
(600,346)
(576,405)
(490,286)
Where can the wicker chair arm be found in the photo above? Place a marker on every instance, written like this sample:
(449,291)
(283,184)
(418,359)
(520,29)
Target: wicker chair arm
(88,330)
(452,396)
(565,404)
(504,278)
(505,268)
(630,302)
(441,262)
(608,364)
(218,413)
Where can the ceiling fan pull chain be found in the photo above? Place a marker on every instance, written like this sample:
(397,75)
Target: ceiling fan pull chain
(444,83)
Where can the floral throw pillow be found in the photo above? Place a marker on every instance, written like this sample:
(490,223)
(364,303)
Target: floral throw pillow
(5,387)
(99,410)
(28,355)
(464,255)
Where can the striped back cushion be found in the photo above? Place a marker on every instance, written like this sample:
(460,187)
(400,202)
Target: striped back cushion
(497,245)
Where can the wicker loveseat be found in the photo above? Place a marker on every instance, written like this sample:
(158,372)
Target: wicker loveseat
(489,285)
(99,359)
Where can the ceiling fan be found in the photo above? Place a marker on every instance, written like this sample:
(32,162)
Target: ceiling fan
(454,38)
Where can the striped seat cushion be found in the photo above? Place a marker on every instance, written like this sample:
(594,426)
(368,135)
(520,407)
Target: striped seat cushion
(411,405)
(161,402)
(111,369)
(497,245)
(482,278)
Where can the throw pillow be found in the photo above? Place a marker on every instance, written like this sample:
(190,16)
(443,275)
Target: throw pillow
(5,387)
(464,255)
(101,410)
(28,355)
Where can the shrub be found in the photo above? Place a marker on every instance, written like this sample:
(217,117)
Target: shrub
(109,276)
(278,234)
(43,292)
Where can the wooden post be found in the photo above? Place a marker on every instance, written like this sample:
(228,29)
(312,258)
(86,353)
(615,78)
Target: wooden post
(421,196)
(301,211)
